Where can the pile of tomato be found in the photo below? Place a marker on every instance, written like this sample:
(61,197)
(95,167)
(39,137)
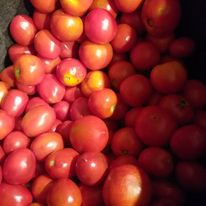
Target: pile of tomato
(98,109)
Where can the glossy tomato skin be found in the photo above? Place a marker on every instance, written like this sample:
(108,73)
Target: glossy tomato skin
(52,94)
(29,70)
(125,178)
(7,76)
(41,20)
(38,120)
(50,49)
(64,192)
(89,134)
(14,195)
(15,140)
(34,102)
(28,89)
(22,29)
(127,6)
(69,49)
(19,167)
(44,7)
(15,102)
(95,56)
(62,110)
(7,124)
(45,144)
(3,91)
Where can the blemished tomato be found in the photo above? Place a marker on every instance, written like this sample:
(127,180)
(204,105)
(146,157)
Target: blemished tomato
(155,125)
(7,76)
(28,89)
(19,167)
(29,70)
(128,6)
(15,140)
(14,195)
(89,134)
(69,49)
(121,181)
(126,142)
(156,161)
(62,110)
(61,163)
(3,91)
(44,6)
(41,20)
(188,142)
(135,90)
(95,56)
(91,168)
(34,102)
(38,120)
(169,77)
(46,143)
(22,29)
(64,192)
(65,26)
(131,116)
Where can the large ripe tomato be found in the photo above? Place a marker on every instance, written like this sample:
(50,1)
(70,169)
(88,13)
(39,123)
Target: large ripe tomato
(89,134)
(41,20)
(127,185)
(38,120)
(14,195)
(44,6)
(3,91)
(155,125)
(64,192)
(7,76)
(128,6)
(19,167)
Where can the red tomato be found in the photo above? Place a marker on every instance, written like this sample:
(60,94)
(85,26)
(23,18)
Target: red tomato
(135,90)
(155,125)
(2,154)
(3,91)
(131,116)
(41,20)
(19,167)
(50,64)
(89,134)
(38,120)
(128,6)
(126,142)
(69,49)
(44,6)
(61,163)
(72,93)
(0,174)
(7,76)
(64,192)
(62,110)
(200,118)
(22,29)
(119,57)
(55,125)
(28,89)
(15,140)
(46,143)
(14,195)
(7,124)
(34,102)
(121,181)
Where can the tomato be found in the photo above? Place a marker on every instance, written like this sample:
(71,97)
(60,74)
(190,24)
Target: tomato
(7,124)
(69,49)
(88,134)
(126,142)
(50,49)
(65,26)
(62,110)
(169,77)
(29,70)
(46,143)
(7,76)
(52,94)
(35,102)
(155,125)
(75,8)
(94,81)
(118,57)
(128,6)
(44,7)
(15,140)
(161,17)
(156,161)
(0,174)
(14,195)
(55,125)
(28,89)
(64,192)
(188,142)
(95,56)
(121,181)
(3,91)
(200,118)
(50,64)
(72,93)
(41,20)
(38,120)
(131,116)
(91,168)
(19,167)
(2,154)
(135,90)
(15,102)
(22,29)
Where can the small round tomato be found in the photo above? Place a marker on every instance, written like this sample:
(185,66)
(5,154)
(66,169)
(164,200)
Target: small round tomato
(135,90)
(53,93)
(50,49)
(28,89)
(69,49)
(91,168)
(89,134)
(66,27)
(71,72)
(3,91)
(44,6)
(72,93)
(50,64)
(38,120)
(29,70)
(19,167)
(64,192)
(34,102)
(41,20)
(15,140)
(22,29)
(169,77)
(128,6)
(131,116)
(46,143)
(62,110)
(95,56)
(155,125)
(7,76)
